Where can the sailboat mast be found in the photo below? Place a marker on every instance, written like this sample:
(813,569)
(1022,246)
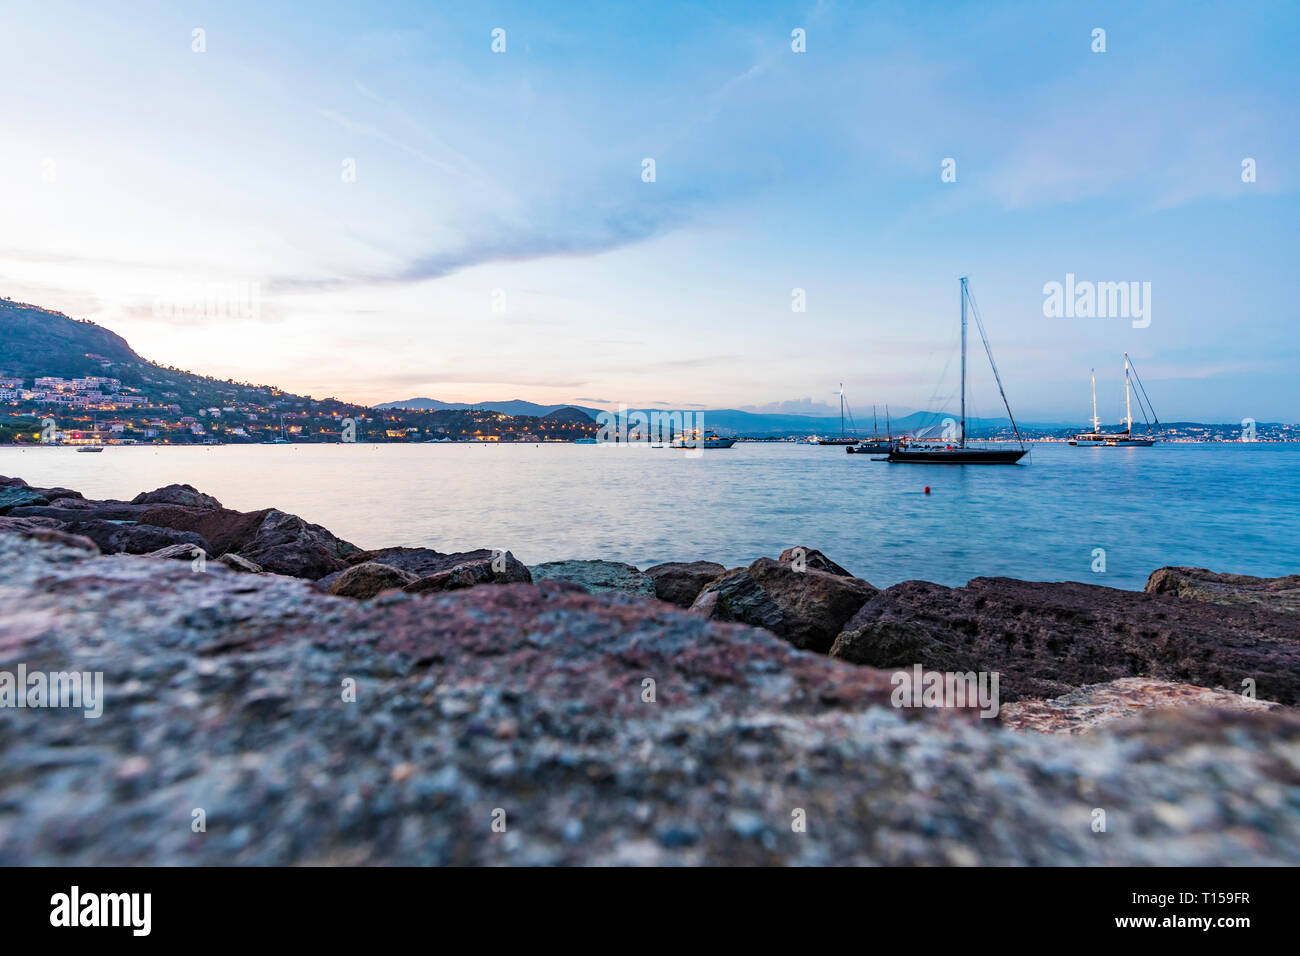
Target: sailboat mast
(1096,422)
(875,424)
(963,361)
(1128,406)
(841,409)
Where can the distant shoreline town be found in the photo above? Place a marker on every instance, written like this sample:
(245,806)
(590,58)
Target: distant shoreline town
(66,381)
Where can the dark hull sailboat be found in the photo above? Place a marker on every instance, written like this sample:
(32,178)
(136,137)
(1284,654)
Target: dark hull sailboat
(933,453)
(958,456)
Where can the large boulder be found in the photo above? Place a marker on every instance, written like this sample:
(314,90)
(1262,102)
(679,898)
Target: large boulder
(369,578)
(808,608)
(1198,584)
(1090,708)
(115,538)
(1048,639)
(223,528)
(680,582)
(19,496)
(186,495)
(496,568)
(597,577)
(286,544)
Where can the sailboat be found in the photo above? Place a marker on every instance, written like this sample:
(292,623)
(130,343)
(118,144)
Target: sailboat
(1126,437)
(1096,436)
(876,445)
(844,438)
(961,454)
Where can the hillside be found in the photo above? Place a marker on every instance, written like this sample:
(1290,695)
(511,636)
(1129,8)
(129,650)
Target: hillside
(36,341)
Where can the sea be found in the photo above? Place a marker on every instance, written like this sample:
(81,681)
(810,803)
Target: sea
(1107,516)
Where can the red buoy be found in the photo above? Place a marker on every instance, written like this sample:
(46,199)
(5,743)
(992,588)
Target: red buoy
(927,489)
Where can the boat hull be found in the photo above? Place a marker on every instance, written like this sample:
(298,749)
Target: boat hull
(957,456)
(869,448)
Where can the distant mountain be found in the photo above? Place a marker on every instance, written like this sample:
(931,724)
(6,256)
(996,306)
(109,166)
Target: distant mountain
(515,406)
(755,424)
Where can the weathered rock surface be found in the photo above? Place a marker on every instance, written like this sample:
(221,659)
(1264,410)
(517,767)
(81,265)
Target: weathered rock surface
(272,539)
(186,495)
(1046,639)
(45,529)
(369,578)
(810,559)
(808,608)
(596,577)
(19,496)
(1198,584)
(286,544)
(226,692)
(223,528)
(177,552)
(680,582)
(1089,708)
(113,537)
(237,562)
(495,568)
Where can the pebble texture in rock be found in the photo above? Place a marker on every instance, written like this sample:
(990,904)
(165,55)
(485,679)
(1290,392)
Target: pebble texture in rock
(226,692)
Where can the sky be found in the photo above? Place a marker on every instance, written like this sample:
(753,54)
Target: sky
(368,201)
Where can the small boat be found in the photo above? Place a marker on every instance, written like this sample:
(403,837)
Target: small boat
(90,448)
(940,453)
(874,446)
(693,439)
(585,441)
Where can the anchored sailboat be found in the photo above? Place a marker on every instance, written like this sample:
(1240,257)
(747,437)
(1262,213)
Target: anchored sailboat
(962,454)
(876,444)
(1126,437)
(844,438)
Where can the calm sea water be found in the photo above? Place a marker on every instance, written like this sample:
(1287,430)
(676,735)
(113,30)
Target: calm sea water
(1229,507)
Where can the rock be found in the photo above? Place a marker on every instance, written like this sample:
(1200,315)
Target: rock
(1198,584)
(47,530)
(176,552)
(239,564)
(533,698)
(1048,639)
(808,608)
(18,496)
(596,577)
(224,529)
(113,538)
(186,495)
(286,544)
(369,578)
(495,569)
(82,509)
(1089,708)
(680,582)
(737,597)
(810,559)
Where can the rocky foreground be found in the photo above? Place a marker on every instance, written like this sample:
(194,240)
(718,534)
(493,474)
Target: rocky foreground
(306,701)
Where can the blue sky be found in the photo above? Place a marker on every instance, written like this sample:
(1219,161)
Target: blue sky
(499,240)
